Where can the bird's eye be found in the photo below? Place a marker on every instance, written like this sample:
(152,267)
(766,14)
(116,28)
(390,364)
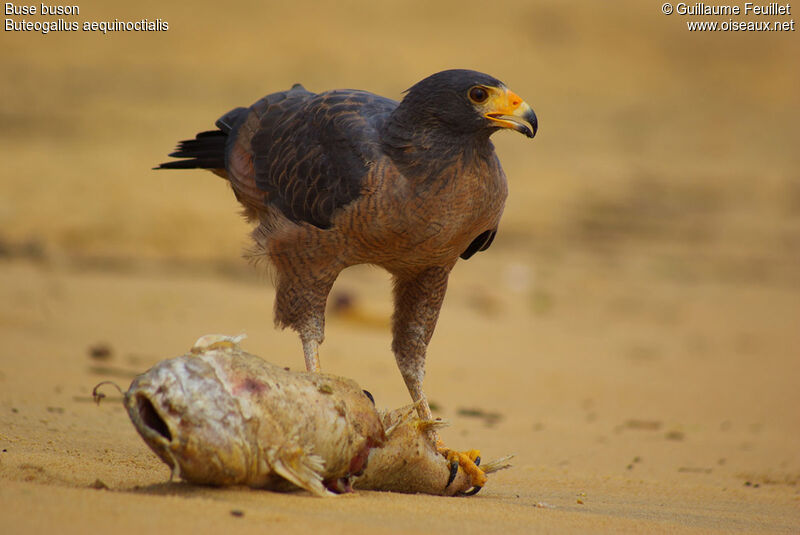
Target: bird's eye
(478,94)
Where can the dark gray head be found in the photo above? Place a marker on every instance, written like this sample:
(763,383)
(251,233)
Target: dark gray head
(464,102)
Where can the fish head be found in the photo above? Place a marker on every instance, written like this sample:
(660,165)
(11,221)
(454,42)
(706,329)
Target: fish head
(183,413)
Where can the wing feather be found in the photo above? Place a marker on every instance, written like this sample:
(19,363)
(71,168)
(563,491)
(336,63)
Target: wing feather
(304,154)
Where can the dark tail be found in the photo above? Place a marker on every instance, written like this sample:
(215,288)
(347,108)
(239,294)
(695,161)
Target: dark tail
(205,151)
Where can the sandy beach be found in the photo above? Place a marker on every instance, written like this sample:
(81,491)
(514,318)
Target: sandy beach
(632,336)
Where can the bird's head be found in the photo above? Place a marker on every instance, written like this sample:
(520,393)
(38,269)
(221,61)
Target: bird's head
(465,102)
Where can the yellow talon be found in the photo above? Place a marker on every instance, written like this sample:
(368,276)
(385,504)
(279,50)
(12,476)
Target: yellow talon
(466,460)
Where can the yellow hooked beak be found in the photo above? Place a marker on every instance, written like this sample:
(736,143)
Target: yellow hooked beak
(508,110)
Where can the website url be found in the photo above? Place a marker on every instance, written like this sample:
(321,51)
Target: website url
(740,26)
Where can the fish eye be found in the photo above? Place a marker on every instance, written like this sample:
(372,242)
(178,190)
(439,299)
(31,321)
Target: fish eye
(478,94)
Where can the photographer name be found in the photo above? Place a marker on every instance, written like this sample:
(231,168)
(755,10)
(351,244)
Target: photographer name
(43,9)
(750,8)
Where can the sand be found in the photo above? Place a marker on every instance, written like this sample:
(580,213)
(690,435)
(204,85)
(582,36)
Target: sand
(632,336)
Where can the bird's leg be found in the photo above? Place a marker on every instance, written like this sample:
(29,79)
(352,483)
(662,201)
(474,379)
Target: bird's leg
(311,353)
(300,304)
(418,300)
(312,333)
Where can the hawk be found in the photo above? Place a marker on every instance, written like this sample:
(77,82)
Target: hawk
(346,177)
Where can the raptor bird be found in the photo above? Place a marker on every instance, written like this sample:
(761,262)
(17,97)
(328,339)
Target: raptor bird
(347,177)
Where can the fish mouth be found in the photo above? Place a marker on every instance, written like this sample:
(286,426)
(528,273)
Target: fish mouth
(150,418)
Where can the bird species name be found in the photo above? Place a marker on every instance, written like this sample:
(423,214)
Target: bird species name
(44,9)
(62,25)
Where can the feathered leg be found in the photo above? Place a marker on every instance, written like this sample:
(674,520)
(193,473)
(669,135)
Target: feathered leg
(301,296)
(303,309)
(305,266)
(418,299)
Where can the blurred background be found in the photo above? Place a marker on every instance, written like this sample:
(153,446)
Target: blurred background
(648,262)
(653,138)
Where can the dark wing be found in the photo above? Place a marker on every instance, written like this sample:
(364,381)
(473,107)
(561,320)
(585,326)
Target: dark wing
(481,243)
(305,154)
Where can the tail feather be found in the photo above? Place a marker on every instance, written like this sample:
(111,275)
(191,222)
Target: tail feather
(205,151)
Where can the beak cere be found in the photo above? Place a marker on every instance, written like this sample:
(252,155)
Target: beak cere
(507,110)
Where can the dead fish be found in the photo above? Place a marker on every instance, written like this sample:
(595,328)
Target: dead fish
(221,416)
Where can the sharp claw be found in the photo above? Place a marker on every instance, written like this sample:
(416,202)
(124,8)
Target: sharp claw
(367,393)
(453,472)
(473,491)
(477,460)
